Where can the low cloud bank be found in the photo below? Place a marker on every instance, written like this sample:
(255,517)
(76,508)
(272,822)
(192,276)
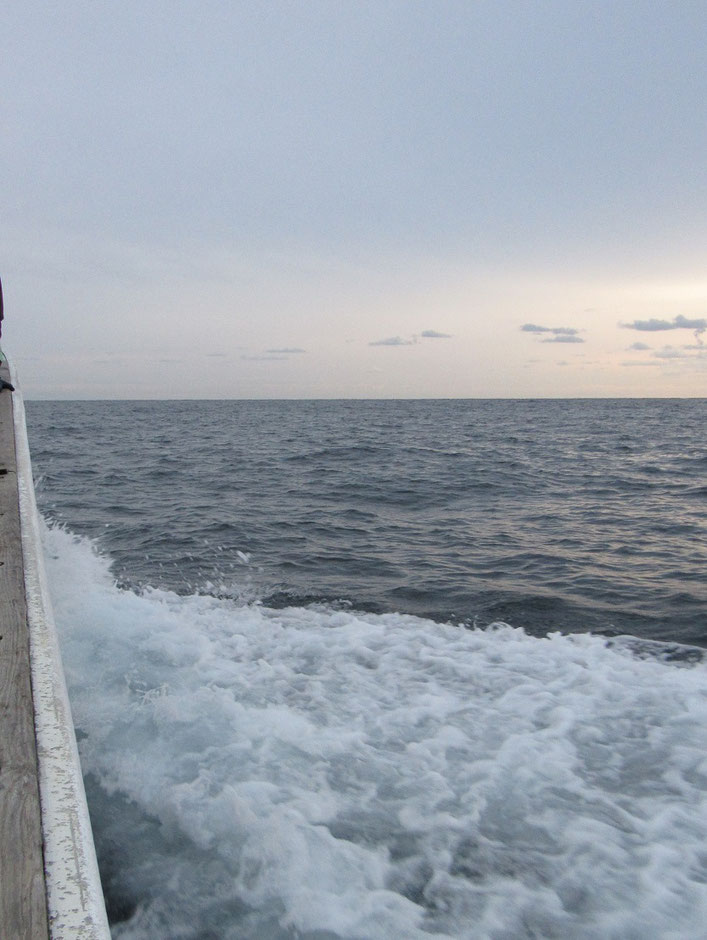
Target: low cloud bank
(677,323)
(557,330)
(264,358)
(393,341)
(563,338)
(412,341)
(558,334)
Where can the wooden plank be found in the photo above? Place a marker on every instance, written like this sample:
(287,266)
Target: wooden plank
(23,910)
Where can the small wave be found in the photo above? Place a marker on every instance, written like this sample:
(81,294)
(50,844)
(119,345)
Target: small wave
(340,453)
(676,653)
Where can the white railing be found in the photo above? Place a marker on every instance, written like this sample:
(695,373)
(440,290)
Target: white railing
(74,896)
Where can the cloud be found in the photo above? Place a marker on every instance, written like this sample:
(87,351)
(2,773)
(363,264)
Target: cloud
(668,352)
(265,358)
(639,346)
(399,341)
(393,341)
(563,338)
(557,330)
(699,324)
(641,362)
(651,325)
(217,355)
(274,355)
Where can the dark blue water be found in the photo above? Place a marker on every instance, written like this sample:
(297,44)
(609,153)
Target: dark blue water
(299,716)
(550,515)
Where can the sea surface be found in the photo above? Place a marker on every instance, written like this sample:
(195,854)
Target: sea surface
(386,669)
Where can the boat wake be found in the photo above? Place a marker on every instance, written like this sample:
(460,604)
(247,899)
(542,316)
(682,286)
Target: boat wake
(311,772)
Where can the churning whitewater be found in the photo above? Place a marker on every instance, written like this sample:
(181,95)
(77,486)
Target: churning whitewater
(316,772)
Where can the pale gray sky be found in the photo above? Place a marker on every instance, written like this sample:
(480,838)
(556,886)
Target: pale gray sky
(354,199)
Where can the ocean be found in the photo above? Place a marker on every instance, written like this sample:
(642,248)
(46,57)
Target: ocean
(386,669)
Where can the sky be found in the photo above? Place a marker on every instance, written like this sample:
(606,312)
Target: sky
(360,199)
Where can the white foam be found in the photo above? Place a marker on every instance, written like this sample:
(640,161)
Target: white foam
(382,776)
